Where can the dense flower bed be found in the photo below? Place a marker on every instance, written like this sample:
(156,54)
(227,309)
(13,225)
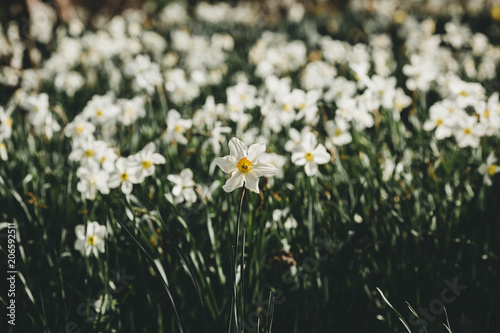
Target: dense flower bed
(368,137)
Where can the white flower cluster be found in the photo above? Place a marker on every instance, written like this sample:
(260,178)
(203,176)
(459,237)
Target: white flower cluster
(100,166)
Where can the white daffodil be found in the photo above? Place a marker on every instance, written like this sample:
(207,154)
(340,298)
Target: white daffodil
(338,132)
(176,127)
(184,186)
(123,176)
(79,128)
(244,165)
(310,154)
(90,240)
(5,123)
(144,161)
(92,179)
(132,109)
(489,168)
(3,152)
(469,132)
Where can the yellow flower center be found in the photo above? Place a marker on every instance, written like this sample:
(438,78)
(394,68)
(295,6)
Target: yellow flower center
(287,107)
(99,112)
(302,106)
(89,153)
(243,97)
(487,114)
(124,176)
(467,131)
(495,13)
(337,133)
(179,129)
(439,122)
(463,93)
(309,157)
(9,122)
(92,240)
(146,164)
(491,169)
(244,165)
(102,160)
(79,129)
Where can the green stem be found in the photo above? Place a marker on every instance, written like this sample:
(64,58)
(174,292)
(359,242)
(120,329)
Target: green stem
(235,262)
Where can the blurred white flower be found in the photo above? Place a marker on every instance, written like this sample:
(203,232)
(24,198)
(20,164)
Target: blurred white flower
(401,101)
(69,82)
(144,161)
(310,154)
(317,75)
(244,165)
(469,132)
(3,152)
(338,132)
(242,95)
(306,104)
(278,161)
(208,114)
(216,137)
(176,127)
(123,176)
(5,123)
(79,128)
(92,179)
(296,137)
(489,168)
(132,109)
(91,239)
(421,73)
(439,120)
(101,109)
(88,151)
(184,184)
(146,74)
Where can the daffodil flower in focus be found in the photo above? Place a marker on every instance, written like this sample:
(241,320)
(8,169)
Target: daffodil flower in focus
(244,165)
(310,154)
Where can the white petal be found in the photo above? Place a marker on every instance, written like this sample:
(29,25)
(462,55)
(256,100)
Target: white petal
(252,181)
(100,246)
(158,159)
(227,163)
(189,195)
(186,174)
(299,158)
(309,141)
(237,149)
(175,179)
(321,156)
(80,231)
(114,181)
(255,150)
(264,169)
(176,191)
(311,168)
(127,187)
(80,245)
(149,148)
(234,182)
